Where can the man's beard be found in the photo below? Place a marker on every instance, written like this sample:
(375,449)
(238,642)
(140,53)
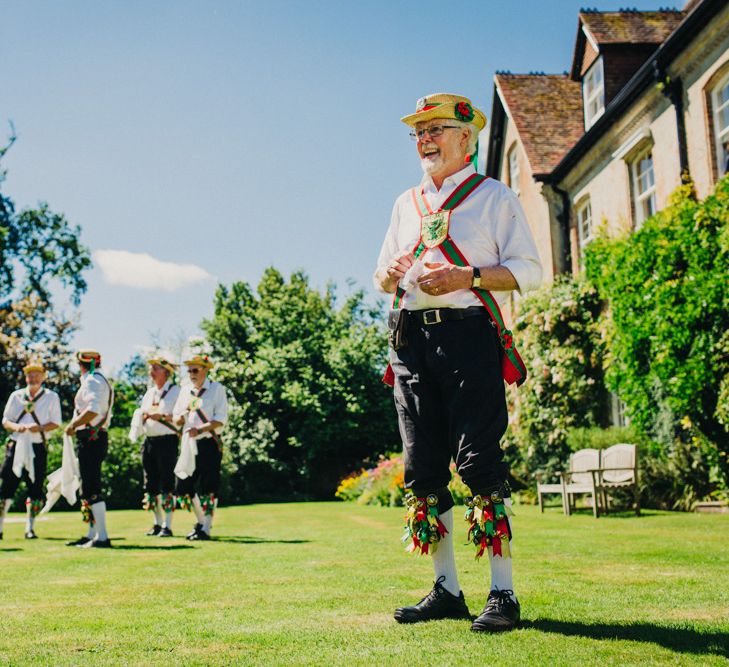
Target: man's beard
(431,165)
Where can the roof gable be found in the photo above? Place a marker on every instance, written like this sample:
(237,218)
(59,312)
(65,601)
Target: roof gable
(547,112)
(625,27)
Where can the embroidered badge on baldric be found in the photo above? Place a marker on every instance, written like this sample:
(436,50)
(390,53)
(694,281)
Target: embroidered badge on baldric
(434,228)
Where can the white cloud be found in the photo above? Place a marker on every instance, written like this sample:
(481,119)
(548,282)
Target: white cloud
(138,269)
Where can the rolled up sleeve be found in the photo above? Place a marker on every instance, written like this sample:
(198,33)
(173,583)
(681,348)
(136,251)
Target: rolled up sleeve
(389,247)
(220,407)
(517,250)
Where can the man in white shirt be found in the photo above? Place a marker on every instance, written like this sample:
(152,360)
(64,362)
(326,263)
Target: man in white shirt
(202,411)
(457,244)
(91,418)
(159,449)
(29,415)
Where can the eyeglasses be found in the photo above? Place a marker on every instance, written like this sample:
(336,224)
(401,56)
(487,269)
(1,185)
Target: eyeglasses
(193,370)
(434,131)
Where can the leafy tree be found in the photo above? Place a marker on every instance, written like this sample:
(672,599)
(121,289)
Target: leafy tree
(129,388)
(667,324)
(40,252)
(304,373)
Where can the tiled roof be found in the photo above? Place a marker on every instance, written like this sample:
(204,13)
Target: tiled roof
(547,111)
(631,27)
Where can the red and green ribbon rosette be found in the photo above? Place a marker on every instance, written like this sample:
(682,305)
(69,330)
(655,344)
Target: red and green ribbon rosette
(423,527)
(183,502)
(86,513)
(207,503)
(464,112)
(488,525)
(35,506)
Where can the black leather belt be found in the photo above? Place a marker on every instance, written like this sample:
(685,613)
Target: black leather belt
(438,315)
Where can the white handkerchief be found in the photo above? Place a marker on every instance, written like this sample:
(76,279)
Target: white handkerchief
(23,456)
(410,279)
(65,481)
(188,451)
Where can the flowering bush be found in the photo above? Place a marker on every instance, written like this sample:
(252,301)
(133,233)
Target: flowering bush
(560,340)
(385,484)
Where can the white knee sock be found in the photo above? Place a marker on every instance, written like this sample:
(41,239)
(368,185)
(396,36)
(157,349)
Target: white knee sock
(197,508)
(99,511)
(501,574)
(4,508)
(168,520)
(29,521)
(444,557)
(158,514)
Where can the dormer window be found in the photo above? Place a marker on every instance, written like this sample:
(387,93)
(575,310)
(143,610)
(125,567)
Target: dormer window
(593,93)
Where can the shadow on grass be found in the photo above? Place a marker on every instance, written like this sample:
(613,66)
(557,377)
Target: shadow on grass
(682,640)
(66,539)
(134,547)
(11,549)
(247,539)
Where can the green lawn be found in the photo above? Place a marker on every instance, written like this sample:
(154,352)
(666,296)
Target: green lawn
(317,583)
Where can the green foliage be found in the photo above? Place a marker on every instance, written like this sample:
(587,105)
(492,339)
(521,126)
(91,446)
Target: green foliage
(559,339)
(304,373)
(384,484)
(666,329)
(39,253)
(601,438)
(129,389)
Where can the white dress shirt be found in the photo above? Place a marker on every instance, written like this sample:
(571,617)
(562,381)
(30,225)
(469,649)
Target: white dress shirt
(94,395)
(489,227)
(47,408)
(162,401)
(213,403)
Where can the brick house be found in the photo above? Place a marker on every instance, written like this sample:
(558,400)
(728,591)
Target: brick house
(645,104)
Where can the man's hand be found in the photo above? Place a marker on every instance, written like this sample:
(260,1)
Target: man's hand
(154,416)
(445,278)
(193,432)
(33,428)
(70,430)
(396,269)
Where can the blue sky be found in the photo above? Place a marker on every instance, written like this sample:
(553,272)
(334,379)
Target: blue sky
(232,136)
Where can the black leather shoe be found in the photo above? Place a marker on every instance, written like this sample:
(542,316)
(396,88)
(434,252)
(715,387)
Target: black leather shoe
(30,535)
(439,603)
(500,613)
(79,542)
(195,530)
(199,535)
(154,530)
(165,532)
(101,544)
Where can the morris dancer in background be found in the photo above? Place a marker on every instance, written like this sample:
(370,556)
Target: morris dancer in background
(159,450)
(201,410)
(451,240)
(91,417)
(29,414)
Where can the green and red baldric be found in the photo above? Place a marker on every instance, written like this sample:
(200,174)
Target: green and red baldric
(512,366)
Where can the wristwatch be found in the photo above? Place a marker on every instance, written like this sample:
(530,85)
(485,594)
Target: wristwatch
(476,278)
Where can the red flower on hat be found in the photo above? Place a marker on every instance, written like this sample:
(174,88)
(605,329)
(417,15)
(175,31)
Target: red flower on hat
(464,112)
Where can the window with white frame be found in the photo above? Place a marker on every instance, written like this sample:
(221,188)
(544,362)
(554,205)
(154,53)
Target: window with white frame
(584,222)
(644,187)
(720,107)
(593,93)
(514,169)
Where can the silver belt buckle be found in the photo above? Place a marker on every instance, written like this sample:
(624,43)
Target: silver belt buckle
(435,319)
